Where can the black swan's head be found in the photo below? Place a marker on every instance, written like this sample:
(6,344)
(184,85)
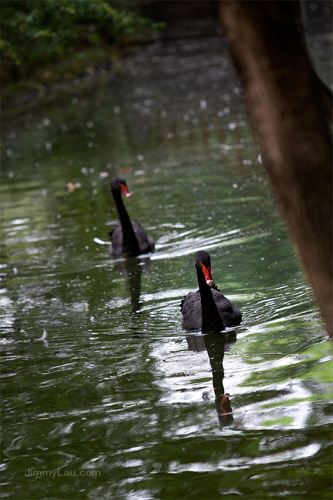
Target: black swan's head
(119,184)
(202,263)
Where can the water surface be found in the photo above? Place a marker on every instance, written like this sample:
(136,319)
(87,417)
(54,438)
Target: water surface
(118,401)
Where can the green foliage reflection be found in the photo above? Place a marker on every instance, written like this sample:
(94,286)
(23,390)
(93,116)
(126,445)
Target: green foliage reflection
(37,33)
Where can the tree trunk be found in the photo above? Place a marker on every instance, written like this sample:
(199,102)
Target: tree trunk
(284,106)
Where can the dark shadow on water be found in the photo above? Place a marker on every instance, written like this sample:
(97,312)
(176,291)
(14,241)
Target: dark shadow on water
(216,344)
(132,269)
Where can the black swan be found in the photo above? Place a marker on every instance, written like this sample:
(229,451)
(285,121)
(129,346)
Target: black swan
(208,308)
(127,238)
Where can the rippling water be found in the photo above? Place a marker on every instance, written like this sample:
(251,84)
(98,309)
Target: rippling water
(118,401)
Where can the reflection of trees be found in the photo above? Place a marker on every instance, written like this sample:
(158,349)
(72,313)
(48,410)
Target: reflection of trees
(216,344)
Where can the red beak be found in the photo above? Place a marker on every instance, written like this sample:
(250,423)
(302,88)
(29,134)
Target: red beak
(207,274)
(125,190)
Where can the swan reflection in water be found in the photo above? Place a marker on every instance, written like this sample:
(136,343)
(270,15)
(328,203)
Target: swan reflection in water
(216,344)
(132,269)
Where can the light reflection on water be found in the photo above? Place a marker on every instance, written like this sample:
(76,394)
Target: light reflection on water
(119,387)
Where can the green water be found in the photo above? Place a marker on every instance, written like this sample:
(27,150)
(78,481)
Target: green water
(118,401)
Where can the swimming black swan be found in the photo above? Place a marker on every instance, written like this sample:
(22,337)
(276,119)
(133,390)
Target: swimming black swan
(127,238)
(208,308)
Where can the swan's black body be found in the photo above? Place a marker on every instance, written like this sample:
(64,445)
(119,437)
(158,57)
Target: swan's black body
(127,238)
(208,309)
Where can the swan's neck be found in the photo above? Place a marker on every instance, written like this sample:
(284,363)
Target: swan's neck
(130,242)
(211,319)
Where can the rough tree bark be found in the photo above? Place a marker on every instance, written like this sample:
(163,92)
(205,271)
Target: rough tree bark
(284,106)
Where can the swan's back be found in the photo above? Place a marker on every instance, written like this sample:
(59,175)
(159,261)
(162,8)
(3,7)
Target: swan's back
(191,310)
(229,312)
(192,314)
(146,243)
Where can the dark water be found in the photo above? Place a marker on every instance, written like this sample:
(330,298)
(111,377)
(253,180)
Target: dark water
(118,401)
